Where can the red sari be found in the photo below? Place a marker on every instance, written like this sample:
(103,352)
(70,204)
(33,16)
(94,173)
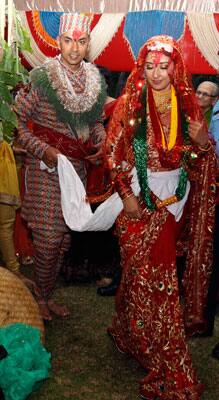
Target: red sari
(149,320)
(149,323)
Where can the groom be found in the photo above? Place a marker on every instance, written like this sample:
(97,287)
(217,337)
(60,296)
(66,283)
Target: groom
(64,103)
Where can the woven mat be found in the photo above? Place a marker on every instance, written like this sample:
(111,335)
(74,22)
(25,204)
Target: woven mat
(17,303)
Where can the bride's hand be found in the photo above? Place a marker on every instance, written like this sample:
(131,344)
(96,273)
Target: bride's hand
(132,207)
(198,133)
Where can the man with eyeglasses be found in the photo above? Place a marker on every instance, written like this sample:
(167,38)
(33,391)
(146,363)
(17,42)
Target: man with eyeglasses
(207,94)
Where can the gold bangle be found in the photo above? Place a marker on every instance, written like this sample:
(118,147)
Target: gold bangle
(166,202)
(205,148)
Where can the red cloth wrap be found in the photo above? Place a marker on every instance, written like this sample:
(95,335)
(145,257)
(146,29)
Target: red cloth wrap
(70,147)
(97,175)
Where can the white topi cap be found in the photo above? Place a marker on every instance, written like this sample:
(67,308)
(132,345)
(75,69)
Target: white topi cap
(76,24)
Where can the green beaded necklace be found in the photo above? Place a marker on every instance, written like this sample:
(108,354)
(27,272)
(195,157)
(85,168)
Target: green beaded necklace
(141,158)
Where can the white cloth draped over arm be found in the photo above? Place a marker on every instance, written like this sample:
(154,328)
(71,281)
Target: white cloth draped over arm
(77,211)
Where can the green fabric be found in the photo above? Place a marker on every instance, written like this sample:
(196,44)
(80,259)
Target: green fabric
(26,364)
(40,81)
(141,154)
(208,116)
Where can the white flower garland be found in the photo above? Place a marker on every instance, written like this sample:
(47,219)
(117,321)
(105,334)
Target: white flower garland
(72,101)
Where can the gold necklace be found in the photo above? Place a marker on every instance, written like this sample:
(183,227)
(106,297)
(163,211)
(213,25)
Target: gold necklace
(168,144)
(162,100)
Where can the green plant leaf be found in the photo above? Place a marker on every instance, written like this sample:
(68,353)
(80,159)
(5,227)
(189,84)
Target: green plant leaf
(6,114)
(11,73)
(8,131)
(1,132)
(5,94)
(23,38)
(7,63)
(9,79)
(7,127)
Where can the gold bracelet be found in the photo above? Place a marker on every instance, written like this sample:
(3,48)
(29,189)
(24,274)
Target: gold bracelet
(166,202)
(205,148)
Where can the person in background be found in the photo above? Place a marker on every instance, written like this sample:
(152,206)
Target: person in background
(214,123)
(158,132)
(9,203)
(64,103)
(212,300)
(207,94)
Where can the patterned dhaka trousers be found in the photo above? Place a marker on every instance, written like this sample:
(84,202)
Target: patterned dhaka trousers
(49,250)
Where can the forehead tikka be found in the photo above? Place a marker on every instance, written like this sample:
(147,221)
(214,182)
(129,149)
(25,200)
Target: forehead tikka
(156,56)
(156,60)
(76,34)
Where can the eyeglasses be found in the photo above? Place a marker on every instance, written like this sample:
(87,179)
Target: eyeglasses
(204,94)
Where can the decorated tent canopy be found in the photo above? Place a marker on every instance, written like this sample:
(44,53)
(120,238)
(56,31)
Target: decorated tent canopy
(115,6)
(117,38)
(119,28)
